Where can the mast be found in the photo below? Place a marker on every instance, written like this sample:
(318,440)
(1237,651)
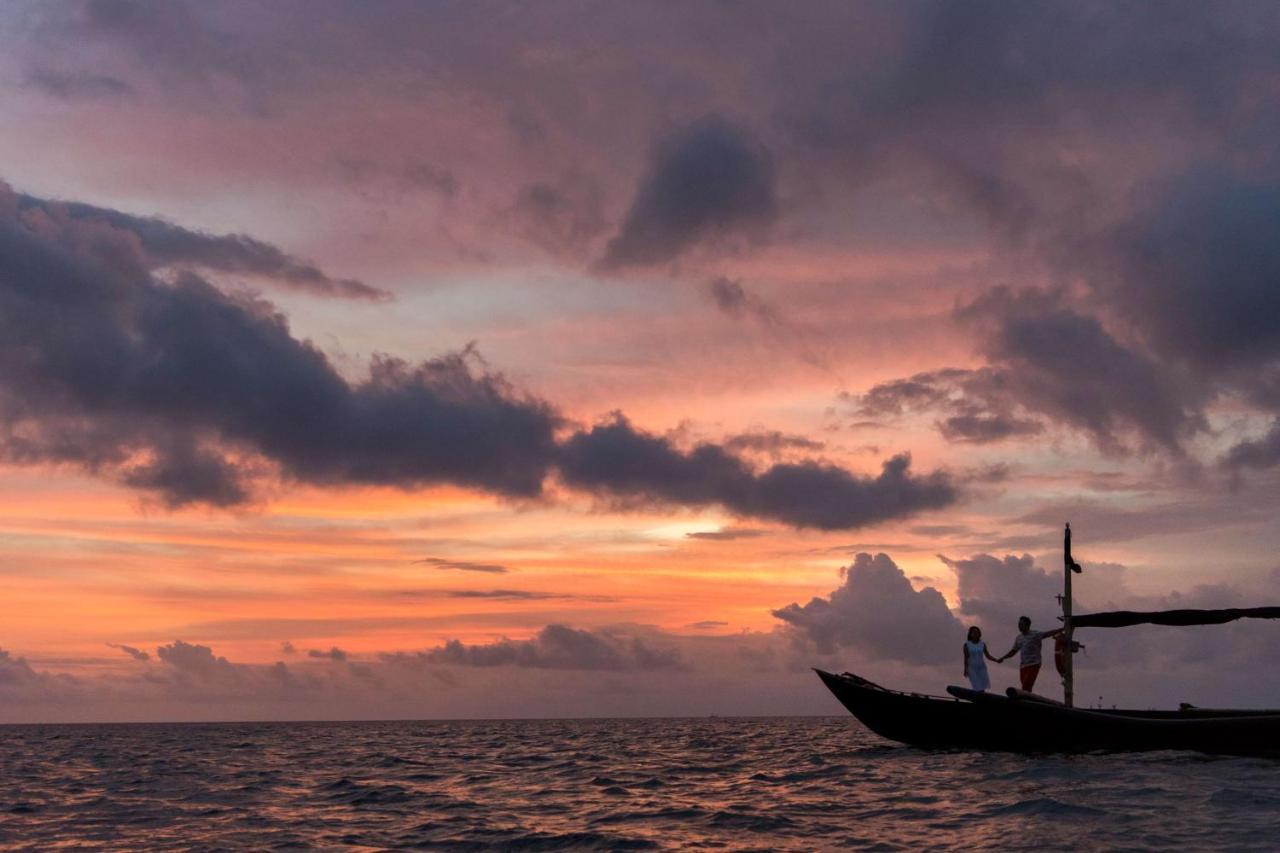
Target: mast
(1069,566)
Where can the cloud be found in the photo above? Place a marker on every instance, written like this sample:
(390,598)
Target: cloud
(195,395)
(561,647)
(1261,452)
(615,460)
(1063,364)
(431,177)
(1200,270)
(463,566)
(705,181)
(985,429)
(563,218)
(1108,521)
(174,42)
(180,388)
(919,392)
(504,594)
(877,613)
(727,534)
(736,301)
(707,624)
(73,85)
(771,441)
(997,592)
(136,654)
(977,404)
(287,648)
(414,174)
(729,295)
(164,244)
(1047,360)
(194,659)
(21,684)
(15,671)
(334,654)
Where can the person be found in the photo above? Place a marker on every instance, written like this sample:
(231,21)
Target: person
(1028,643)
(975,660)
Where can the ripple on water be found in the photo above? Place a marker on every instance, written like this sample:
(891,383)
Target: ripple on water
(609,785)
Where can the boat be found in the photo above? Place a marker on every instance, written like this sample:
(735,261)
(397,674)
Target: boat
(1018,721)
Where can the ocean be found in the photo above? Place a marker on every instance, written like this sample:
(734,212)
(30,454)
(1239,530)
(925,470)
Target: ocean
(718,783)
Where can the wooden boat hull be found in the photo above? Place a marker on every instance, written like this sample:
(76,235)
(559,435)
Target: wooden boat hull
(995,722)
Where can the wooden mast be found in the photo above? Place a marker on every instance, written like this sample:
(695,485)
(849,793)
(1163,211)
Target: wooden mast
(1069,566)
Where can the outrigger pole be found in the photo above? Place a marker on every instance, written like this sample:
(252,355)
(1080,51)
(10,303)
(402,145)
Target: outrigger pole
(1069,566)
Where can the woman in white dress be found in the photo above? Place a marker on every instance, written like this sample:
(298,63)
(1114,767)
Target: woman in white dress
(975,660)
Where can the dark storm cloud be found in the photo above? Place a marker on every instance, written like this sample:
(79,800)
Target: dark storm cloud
(980,101)
(71,85)
(1194,270)
(334,654)
(1047,359)
(985,429)
(616,460)
(1262,452)
(899,396)
(153,382)
(463,566)
(1175,249)
(708,180)
(136,654)
(977,405)
(175,387)
(182,473)
(562,647)
(165,244)
(1058,362)
(1199,269)
(878,613)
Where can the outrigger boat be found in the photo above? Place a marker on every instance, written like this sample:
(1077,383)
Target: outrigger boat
(1026,722)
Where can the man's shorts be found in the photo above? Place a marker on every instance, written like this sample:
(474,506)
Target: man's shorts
(1029,674)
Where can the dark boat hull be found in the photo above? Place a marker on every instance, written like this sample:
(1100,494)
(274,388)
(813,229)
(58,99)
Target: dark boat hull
(994,722)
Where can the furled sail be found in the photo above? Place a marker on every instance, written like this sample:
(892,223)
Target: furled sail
(1125,618)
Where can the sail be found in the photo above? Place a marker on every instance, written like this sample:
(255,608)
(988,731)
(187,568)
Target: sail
(1125,618)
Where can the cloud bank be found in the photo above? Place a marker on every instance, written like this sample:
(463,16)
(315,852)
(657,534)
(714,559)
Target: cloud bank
(180,389)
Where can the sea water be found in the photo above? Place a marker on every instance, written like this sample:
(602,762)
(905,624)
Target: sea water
(719,783)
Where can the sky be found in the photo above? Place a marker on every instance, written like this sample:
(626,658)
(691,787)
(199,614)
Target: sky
(409,360)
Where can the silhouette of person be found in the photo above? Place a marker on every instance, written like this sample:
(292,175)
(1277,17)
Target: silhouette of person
(975,660)
(1028,643)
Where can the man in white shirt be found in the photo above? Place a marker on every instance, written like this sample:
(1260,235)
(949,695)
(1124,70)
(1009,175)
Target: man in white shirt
(1028,642)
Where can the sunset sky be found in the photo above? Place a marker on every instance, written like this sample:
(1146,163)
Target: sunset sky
(571,358)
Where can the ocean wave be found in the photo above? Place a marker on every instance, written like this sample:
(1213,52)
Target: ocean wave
(601,785)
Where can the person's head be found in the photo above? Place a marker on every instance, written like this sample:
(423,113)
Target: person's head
(975,634)
(1024,624)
